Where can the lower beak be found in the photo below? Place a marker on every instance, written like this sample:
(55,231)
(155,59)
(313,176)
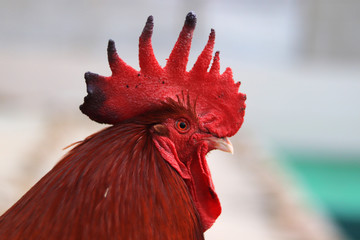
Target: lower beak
(222,144)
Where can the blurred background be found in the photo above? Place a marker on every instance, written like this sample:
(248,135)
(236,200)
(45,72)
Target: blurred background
(296,169)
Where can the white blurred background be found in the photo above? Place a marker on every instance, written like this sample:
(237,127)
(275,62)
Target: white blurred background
(296,172)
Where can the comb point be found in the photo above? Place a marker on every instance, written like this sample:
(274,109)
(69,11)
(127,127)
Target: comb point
(190,20)
(148,28)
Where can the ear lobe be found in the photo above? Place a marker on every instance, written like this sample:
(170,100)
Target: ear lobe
(161,129)
(167,150)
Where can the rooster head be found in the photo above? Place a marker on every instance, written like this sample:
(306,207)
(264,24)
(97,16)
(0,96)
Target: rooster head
(212,107)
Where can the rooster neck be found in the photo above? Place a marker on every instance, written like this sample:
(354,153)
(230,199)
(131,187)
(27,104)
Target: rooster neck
(113,184)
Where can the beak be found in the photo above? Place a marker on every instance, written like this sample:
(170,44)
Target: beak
(222,144)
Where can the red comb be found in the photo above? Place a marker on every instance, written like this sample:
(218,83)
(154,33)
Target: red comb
(128,92)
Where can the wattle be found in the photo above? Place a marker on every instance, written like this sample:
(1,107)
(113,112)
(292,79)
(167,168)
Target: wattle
(197,177)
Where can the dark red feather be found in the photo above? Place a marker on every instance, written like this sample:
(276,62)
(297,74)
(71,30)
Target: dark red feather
(114,183)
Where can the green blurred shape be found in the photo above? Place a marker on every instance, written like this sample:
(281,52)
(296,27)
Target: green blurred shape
(332,180)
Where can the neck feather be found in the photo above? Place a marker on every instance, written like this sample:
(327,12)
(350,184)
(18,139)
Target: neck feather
(114,183)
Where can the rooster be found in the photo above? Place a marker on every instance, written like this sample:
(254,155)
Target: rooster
(146,176)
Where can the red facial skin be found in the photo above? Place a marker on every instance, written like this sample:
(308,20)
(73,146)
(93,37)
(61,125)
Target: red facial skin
(185,150)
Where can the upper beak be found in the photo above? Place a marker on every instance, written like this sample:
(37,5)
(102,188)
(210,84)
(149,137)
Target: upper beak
(222,144)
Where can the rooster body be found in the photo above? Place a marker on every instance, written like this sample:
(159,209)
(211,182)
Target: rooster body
(145,177)
(114,183)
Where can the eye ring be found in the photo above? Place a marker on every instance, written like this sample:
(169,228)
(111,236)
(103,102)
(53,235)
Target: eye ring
(182,125)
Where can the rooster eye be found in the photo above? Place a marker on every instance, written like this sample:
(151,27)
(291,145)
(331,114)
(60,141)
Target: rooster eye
(182,125)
